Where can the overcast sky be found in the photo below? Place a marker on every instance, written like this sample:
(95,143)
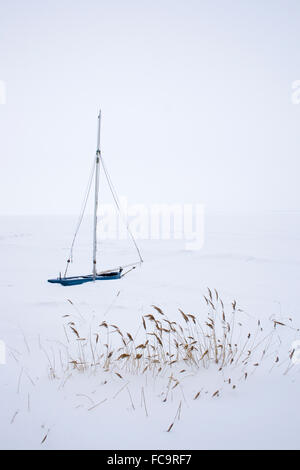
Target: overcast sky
(195,96)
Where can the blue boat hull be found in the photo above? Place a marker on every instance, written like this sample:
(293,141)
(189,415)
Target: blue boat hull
(77,280)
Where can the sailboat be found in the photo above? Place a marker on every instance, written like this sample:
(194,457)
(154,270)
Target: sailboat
(108,274)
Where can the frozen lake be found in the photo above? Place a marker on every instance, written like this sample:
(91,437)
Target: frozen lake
(254,259)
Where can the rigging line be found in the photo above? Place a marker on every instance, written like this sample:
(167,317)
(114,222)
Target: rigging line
(117,202)
(129,265)
(116,199)
(83,207)
(129,270)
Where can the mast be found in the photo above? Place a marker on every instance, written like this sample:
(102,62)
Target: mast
(98,156)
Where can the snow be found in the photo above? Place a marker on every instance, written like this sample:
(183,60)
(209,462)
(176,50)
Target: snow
(251,258)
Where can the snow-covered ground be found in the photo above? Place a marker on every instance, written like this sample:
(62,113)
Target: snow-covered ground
(254,259)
